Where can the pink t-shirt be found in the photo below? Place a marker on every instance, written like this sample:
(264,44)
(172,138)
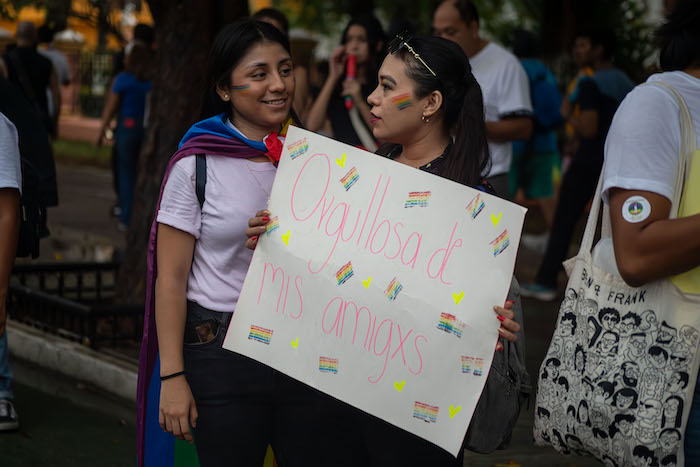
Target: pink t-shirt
(236,189)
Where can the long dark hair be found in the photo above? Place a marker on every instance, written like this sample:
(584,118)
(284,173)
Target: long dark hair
(462,105)
(679,37)
(230,46)
(375,36)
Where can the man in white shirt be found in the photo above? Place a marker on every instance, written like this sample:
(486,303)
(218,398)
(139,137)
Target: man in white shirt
(503,82)
(10,189)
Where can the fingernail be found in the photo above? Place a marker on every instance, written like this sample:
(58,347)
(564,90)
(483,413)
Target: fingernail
(265,219)
(501,330)
(501,318)
(495,308)
(510,302)
(266,213)
(255,239)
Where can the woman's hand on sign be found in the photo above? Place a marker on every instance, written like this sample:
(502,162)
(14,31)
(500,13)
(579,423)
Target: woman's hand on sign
(508,328)
(256,227)
(178,410)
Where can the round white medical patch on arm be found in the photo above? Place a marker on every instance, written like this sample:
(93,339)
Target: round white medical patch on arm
(636,209)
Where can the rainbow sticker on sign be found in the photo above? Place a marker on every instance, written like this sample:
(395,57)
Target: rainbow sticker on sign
(273,225)
(467,363)
(417,199)
(476,206)
(450,324)
(350,178)
(298,148)
(260,334)
(425,412)
(393,290)
(344,273)
(403,101)
(479,367)
(500,243)
(328,365)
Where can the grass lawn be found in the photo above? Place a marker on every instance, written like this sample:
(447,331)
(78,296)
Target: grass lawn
(82,153)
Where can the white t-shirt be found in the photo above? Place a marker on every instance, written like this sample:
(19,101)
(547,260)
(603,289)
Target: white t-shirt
(643,146)
(10,162)
(506,92)
(236,189)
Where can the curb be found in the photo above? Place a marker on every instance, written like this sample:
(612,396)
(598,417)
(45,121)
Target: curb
(108,373)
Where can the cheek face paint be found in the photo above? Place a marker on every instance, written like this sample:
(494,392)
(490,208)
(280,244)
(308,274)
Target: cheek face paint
(403,101)
(244,87)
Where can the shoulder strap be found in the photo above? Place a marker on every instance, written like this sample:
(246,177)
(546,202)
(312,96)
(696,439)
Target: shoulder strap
(687,145)
(201,178)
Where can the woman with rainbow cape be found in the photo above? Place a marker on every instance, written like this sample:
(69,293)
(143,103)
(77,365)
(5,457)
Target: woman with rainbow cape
(188,385)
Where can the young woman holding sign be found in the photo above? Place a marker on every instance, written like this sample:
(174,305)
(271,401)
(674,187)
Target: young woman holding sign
(419,102)
(235,406)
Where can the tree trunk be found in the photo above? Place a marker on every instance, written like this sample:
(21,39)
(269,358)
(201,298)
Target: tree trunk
(184,33)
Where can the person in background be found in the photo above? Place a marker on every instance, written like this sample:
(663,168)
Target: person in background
(642,157)
(302,95)
(536,162)
(143,34)
(128,97)
(33,74)
(46,48)
(503,82)
(363,37)
(599,97)
(10,191)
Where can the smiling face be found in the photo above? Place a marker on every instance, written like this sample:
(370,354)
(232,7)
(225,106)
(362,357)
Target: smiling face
(261,89)
(396,111)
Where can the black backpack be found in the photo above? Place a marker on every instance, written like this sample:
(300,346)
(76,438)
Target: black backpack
(39,189)
(505,392)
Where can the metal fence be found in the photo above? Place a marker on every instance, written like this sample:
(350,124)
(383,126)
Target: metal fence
(75,301)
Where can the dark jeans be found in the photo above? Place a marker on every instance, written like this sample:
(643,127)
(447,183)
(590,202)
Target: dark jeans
(577,188)
(244,405)
(389,446)
(127,146)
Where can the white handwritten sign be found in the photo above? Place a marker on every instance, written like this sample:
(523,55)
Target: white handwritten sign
(375,283)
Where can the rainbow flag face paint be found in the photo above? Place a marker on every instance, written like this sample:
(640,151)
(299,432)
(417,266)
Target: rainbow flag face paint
(403,101)
(425,412)
(241,88)
(393,290)
(260,334)
(417,199)
(350,178)
(297,149)
(475,206)
(273,225)
(328,365)
(500,243)
(450,324)
(344,273)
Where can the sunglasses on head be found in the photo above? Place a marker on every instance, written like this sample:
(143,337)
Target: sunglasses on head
(401,41)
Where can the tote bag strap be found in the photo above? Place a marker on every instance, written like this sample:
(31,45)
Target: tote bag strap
(687,145)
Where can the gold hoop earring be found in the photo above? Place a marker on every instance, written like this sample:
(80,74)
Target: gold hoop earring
(425,119)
